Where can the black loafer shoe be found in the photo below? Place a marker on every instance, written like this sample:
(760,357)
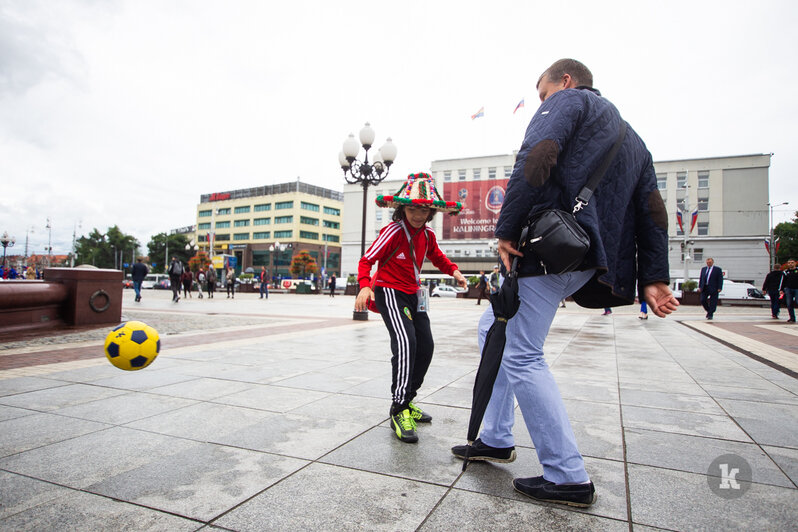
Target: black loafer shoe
(481,451)
(540,489)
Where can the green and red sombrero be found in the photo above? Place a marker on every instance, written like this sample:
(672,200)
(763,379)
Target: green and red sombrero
(419,189)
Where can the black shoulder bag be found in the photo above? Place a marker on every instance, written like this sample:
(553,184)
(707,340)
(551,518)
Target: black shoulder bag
(553,237)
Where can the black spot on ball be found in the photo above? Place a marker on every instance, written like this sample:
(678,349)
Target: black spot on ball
(158,346)
(118,327)
(139,337)
(138,362)
(113,350)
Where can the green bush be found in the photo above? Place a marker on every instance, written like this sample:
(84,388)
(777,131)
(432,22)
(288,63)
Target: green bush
(689,286)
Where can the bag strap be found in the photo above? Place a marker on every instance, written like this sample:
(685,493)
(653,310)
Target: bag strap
(586,193)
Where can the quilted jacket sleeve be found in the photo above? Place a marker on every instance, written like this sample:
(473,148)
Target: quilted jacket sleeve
(548,132)
(651,229)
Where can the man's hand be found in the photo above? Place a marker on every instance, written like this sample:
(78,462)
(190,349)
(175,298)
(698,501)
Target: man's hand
(506,249)
(660,299)
(461,281)
(361,303)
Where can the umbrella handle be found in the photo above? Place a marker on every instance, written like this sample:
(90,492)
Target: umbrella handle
(521,242)
(465,458)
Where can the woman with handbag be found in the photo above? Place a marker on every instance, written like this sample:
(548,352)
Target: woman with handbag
(396,293)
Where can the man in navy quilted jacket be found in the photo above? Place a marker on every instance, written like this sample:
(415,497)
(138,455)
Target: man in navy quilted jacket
(571,132)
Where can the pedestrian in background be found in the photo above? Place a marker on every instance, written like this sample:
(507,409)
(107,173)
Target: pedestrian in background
(230,278)
(138,274)
(264,283)
(709,285)
(332,285)
(200,282)
(175,272)
(188,280)
(482,287)
(211,280)
(772,287)
(790,289)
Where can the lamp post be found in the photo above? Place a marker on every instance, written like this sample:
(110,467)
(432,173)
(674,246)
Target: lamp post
(7,242)
(279,248)
(365,174)
(771,246)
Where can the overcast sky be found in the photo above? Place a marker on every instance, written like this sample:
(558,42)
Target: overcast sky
(125,111)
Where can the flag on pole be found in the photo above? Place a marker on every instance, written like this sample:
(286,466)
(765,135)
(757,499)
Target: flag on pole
(694,220)
(479,113)
(520,105)
(767,244)
(679,220)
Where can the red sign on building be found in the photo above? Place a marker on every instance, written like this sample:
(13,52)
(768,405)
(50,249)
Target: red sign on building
(482,201)
(219,196)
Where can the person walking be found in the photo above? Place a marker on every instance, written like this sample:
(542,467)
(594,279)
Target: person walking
(264,282)
(493,283)
(230,278)
(482,287)
(772,287)
(138,274)
(211,280)
(175,272)
(396,292)
(564,143)
(188,280)
(790,289)
(332,285)
(709,285)
(200,282)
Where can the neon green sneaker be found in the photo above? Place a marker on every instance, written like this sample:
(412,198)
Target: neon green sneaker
(419,415)
(404,426)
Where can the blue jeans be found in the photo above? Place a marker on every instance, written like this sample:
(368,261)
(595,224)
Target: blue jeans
(525,375)
(790,295)
(137,288)
(264,289)
(775,302)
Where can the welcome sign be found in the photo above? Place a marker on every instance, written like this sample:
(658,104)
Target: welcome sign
(482,201)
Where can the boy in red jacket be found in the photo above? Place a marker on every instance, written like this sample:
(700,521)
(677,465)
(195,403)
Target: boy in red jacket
(401,248)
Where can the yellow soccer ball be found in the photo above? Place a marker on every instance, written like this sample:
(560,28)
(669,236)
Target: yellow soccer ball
(132,345)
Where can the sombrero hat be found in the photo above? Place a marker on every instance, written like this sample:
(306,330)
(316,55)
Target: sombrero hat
(419,189)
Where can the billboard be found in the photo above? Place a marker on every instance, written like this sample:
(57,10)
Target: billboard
(482,201)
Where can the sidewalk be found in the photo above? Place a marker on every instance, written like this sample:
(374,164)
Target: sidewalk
(272,415)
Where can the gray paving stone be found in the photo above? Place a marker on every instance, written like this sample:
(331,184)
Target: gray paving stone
(26,384)
(325,497)
(272,398)
(787,460)
(19,493)
(125,408)
(50,399)
(202,389)
(682,423)
(84,511)
(352,408)
(10,412)
(695,454)
(463,511)
(142,380)
(320,381)
(89,374)
(201,481)
(672,401)
(682,501)
(767,423)
(769,394)
(37,430)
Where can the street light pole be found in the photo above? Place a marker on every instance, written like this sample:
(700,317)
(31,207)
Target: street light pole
(7,242)
(365,174)
(771,246)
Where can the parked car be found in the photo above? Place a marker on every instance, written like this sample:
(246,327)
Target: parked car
(163,284)
(153,279)
(127,283)
(444,290)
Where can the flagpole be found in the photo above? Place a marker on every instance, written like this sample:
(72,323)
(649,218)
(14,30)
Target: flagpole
(685,243)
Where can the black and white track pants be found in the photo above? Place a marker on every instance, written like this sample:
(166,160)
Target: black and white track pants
(411,341)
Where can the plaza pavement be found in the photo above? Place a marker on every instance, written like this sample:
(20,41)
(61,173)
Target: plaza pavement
(272,415)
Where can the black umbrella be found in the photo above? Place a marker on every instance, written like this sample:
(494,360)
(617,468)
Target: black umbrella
(505,304)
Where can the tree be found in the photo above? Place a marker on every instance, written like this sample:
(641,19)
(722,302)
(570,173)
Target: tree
(106,250)
(303,264)
(787,233)
(163,247)
(200,260)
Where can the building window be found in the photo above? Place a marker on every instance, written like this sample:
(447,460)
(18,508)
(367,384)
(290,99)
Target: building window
(378,213)
(681,179)
(201,238)
(479,253)
(206,225)
(224,211)
(204,214)
(447,175)
(703,228)
(309,235)
(222,237)
(662,181)
(334,225)
(308,220)
(703,204)
(309,206)
(492,173)
(680,204)
(283,234)
(241,236)
(241,223)
(284,205)
(262,235)
(283,219)
(330,238)
(263,207)
(262,221)
(222,225)
(698,254)
(477,172)
(703,179)
(461,175)
(242,210)
(332,211)
(508,171)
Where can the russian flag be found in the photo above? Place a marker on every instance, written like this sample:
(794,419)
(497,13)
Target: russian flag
(520,105)
(479,113)
(694,220)
(679,220)
(767,244)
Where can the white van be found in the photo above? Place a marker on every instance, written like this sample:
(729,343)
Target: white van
(152,279)
(731,290)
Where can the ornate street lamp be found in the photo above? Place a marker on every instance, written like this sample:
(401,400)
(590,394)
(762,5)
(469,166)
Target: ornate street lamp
(365,174)
(279,248)
(771,244)
(7,242)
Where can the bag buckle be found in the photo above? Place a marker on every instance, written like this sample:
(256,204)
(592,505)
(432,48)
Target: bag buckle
(580,203)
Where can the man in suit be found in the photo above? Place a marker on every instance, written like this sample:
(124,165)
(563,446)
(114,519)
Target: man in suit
(710,285)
